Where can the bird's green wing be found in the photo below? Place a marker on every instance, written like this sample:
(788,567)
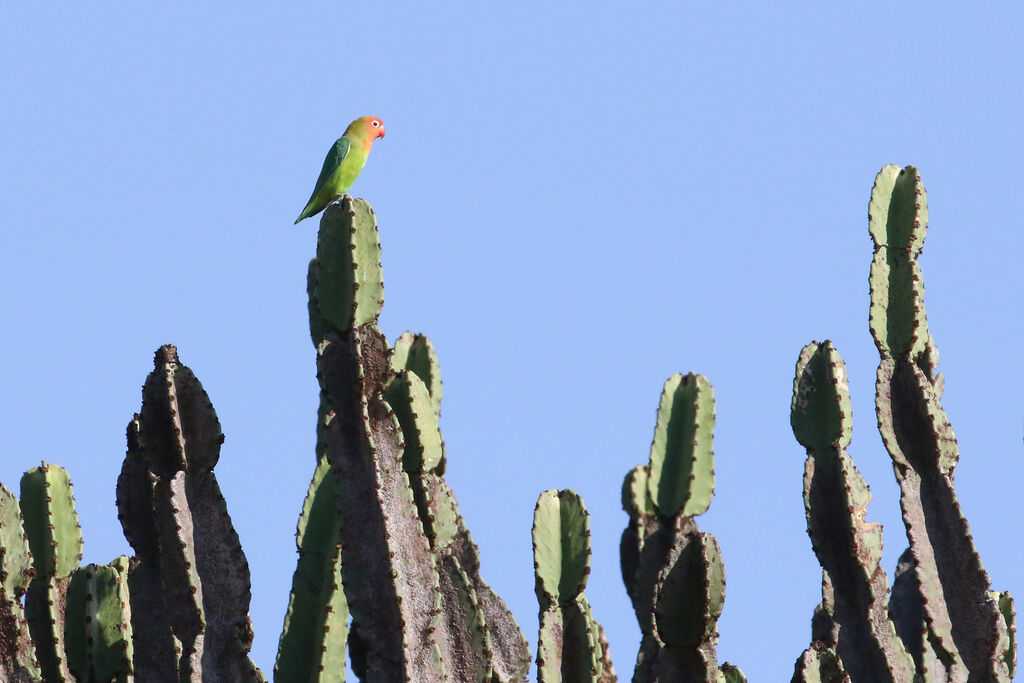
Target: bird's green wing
(335,156)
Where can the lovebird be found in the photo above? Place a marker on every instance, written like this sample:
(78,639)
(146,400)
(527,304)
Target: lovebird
(344,163)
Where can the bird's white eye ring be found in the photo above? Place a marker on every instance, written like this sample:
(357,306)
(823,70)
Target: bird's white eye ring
(376,124)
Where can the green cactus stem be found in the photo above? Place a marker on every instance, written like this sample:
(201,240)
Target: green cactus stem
(98,634)
(410,398)
(857,627)
(681,472)
(312,646)
(727,673)
(673,573)
(55,538)
(819,664)
(569,646)
(1009,646)
(349,289)
(414,352)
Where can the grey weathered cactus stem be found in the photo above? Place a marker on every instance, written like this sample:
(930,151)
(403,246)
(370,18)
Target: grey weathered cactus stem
(948,624)
(189,580)
(965,630)
(852,620)
(409,568)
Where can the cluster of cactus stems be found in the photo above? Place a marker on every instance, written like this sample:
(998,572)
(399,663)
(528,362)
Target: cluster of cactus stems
(940,621)
(388,580)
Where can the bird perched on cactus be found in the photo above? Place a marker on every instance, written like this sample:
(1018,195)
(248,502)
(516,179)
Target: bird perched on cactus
(344,163)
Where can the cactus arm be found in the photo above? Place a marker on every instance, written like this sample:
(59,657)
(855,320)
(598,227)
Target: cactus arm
(409,568)
(349,286)
(415,353)
(154,657)
(569,647)
(688,600)
(389,575)
(55,537)
(17,651)
(1009,646)
(819,664)
(682,475)
(963,619)
(848,548)
(98,634)
(195,572)
(414,396)
(313,641)
(727,673)
(673,573)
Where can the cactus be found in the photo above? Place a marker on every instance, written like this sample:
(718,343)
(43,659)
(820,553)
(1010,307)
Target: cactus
(17,651)
(386,564)
(55,538)
(964,622)
(189,575)
(98,634)
(415,352)
(673,572)
(569,648)
(942,620)
(855,629)
(409,568)
(312,645)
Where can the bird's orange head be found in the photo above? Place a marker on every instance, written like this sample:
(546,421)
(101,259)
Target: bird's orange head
(366,128)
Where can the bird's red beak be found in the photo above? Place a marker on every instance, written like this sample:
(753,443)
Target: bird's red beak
(381,133)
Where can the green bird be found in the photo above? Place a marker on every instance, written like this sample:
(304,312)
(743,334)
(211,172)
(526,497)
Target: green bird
(343,164)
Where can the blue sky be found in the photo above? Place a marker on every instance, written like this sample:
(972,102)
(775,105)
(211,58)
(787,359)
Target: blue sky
(575,202)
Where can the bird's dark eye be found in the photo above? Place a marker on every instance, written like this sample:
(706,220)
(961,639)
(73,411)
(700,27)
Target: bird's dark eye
(376,124)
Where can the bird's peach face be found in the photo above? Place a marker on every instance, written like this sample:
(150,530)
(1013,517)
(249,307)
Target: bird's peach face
(376,127)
